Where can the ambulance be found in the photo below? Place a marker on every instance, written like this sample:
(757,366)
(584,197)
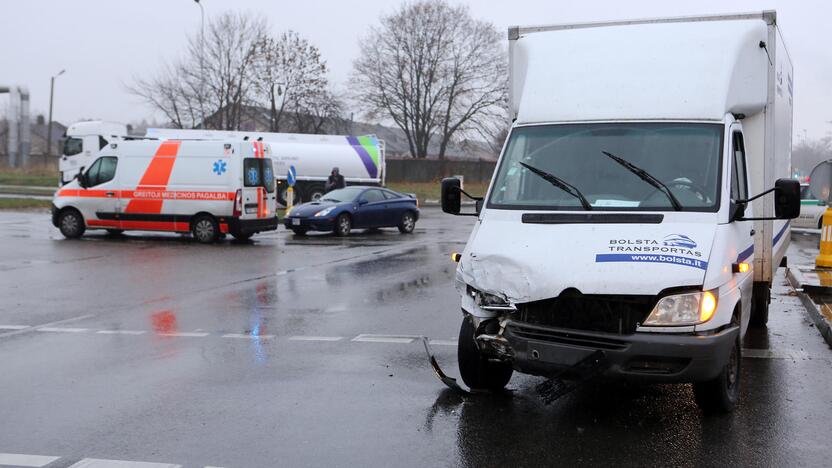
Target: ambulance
(207,188)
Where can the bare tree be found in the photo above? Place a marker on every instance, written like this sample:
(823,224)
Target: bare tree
(435,71)
(313,111)
(290,71)
(231,47)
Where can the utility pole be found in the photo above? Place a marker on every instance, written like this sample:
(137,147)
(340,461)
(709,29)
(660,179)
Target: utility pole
(49,125)
(201,63)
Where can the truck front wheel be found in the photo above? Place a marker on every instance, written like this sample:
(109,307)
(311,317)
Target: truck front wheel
(760,299)
(478,371)
(721,394)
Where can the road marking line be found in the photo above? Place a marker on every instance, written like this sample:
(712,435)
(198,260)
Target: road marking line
(100,463)
(443,342)
(121,332)
(243,335)
(384,338)
(316,338)
(19,459)
(13,327)
(62,329)
(46,325)
(185,334)
(773,354)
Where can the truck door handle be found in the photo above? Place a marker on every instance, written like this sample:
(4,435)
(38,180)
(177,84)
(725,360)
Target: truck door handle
(111,194)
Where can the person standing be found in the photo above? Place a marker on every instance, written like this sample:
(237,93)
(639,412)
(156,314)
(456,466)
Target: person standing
(335,180)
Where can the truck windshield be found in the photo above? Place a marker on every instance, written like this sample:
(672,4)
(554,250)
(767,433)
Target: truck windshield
(684,157)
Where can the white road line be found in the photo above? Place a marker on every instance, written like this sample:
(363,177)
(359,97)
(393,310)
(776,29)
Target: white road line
(46,325)
(402,339)
(19,459)
(14,327)
(316,338)
(185,334)
(251,337)
(62,330)
(99,463)
(443,342)
(121,332)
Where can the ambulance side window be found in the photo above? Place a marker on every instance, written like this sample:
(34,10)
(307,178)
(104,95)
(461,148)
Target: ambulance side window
(102,170)
(739,179)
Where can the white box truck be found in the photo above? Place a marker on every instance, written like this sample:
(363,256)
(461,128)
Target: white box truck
(82,142)
(207,188)
(639,208)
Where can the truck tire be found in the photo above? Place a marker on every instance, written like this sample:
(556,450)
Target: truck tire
(313,192)
(408,223)
(71,224)
(721,394)
(205,229)
(299,231)
(281,195)
(760,299)
(477,371)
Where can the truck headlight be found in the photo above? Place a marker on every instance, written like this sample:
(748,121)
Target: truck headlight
(683,309)
(324,212)
(490,302)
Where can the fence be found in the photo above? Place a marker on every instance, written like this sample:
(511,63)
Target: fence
(431,170)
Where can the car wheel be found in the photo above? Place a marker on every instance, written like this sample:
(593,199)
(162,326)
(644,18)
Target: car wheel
(478,371)
(408,223)
(205,229)
(721,394)
(71,224)
(115,232)
(299,231)
(343,225)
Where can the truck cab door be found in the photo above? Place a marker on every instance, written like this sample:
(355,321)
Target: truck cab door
(742,232)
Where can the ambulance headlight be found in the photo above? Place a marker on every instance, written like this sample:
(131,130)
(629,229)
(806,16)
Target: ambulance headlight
(324,212)
(683,309)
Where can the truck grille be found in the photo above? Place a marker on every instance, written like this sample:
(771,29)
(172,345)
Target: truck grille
(618,314)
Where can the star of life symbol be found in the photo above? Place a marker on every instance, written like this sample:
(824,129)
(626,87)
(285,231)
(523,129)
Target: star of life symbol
(219,167)
(252,176)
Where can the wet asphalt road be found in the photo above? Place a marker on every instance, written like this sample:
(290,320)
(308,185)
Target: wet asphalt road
(299,352)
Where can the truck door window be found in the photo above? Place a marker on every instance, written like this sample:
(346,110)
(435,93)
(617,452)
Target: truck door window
(102,142)
(102,170)
(739,179)
(73,146)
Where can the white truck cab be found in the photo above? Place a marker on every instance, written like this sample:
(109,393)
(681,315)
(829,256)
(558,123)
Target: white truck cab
(622,224)
(82,143)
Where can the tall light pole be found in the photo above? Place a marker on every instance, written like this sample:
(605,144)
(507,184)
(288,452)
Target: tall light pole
(201,63)
(49,127)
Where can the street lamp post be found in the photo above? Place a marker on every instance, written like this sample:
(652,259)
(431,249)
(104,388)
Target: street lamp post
(49,127)
(201,63)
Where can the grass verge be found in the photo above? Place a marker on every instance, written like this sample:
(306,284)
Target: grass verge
(24,204)
(33,177)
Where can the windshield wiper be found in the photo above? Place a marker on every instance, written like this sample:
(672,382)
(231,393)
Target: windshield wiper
(647,177)
(561,184)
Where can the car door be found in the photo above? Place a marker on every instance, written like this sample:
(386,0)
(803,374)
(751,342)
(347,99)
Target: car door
(371,205)
(394,209)
(99,202)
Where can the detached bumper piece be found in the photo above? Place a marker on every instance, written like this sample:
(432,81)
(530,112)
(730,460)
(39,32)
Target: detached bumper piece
(659,357)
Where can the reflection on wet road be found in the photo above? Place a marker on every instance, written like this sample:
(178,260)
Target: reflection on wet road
(301,352)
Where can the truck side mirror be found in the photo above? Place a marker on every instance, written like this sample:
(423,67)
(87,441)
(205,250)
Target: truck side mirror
(451,195)
(786,199)
(736,211)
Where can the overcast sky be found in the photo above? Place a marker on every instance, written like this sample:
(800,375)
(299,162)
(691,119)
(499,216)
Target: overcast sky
(103,44)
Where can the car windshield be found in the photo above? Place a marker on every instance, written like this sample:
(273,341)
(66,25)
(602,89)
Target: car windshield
(343,195)
(603,161)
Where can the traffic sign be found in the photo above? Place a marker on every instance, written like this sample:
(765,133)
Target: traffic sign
(292,176)
(820,181)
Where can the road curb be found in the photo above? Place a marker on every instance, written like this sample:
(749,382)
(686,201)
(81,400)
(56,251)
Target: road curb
(820,321)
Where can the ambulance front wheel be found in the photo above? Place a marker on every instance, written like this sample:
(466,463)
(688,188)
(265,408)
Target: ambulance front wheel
(205,229)
(71,223)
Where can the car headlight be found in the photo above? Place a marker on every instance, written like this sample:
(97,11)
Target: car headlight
(683,309)
(324,212)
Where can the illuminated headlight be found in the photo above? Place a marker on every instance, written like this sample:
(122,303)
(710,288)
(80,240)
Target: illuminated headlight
(683,309)
(488,301)
(324,212)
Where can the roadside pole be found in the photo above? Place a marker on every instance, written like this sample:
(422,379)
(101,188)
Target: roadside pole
(291,178)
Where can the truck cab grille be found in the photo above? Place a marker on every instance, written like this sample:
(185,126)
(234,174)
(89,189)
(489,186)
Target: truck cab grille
(618,314)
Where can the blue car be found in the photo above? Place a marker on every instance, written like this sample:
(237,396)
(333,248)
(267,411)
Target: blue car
(354,207)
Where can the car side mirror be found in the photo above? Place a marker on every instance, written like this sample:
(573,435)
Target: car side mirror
(451,195)
(786,199)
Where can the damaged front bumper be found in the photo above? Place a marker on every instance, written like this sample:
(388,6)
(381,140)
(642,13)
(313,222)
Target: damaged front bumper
(658,357)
